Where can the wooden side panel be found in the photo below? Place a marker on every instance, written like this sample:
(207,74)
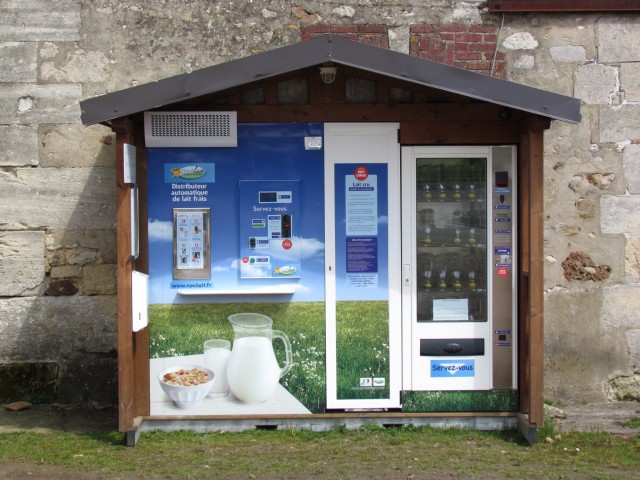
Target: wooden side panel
(535,305)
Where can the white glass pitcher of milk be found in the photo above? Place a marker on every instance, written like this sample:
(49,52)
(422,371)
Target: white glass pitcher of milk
(253,372)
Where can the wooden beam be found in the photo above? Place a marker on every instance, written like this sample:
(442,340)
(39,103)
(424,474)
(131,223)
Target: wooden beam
(477,113)
(124,130)
(459,132)
(497,6)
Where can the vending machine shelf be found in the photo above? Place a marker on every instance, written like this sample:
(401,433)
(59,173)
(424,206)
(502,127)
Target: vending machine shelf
(462,290)
(440,245)
(450,199)
(450,193)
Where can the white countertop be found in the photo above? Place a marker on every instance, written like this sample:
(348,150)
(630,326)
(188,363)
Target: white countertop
(282,402)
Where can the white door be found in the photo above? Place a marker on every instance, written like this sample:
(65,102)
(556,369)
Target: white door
(363,266)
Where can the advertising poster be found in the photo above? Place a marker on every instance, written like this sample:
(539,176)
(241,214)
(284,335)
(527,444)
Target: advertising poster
(235,231)
(362,279)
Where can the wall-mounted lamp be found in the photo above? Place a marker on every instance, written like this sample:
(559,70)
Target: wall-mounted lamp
(328,74)
(504,114)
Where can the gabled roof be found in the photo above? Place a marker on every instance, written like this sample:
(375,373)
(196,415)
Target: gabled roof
(340,51)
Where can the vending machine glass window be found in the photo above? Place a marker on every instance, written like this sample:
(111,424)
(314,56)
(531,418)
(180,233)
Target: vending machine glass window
(451,239)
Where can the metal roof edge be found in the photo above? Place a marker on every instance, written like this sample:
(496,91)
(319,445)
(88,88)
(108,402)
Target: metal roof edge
(343,52)
(460,81)
(192,85)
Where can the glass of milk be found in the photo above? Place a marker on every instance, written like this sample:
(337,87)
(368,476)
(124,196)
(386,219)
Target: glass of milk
(216,355)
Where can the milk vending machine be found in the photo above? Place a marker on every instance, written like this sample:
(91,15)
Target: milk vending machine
(459,301)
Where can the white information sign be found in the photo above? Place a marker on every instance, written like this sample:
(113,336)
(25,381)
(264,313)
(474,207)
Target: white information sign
(362,206)
(451,310)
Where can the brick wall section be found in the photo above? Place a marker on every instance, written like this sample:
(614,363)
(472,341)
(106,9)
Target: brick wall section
(376,35)
(471,47)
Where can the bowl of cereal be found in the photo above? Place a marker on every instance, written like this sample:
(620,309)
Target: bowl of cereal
(186,385)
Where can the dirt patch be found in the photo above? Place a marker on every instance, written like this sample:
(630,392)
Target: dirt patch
(15,471)
(605,417)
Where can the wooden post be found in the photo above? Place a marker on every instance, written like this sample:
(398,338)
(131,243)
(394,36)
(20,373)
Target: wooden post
(536,279)
(524,320)
(141,338)
(132,383)
(533,142)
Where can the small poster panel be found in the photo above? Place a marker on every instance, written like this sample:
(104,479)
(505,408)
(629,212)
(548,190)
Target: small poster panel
(191,243)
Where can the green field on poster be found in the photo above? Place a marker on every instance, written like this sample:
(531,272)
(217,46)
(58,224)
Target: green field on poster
(181,329)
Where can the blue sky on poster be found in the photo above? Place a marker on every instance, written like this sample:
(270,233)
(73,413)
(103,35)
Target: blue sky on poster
(274,152)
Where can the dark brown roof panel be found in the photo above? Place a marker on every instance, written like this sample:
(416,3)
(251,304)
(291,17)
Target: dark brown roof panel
(316,52)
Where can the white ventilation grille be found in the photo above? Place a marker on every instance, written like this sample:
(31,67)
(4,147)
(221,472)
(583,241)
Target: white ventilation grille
(191,129)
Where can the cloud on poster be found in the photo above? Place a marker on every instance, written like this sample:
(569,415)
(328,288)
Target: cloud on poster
(225,265)
(256,271)
(310,247)
(160,230)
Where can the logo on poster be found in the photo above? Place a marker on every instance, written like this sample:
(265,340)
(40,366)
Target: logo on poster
(361,173)
(189,172)
(286,244)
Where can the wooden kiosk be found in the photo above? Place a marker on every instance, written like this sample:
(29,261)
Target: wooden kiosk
(432,104)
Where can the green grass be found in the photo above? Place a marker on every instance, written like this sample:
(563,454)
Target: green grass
(632,423)
(362,340)
(370,452)
(468,401)
(362,344)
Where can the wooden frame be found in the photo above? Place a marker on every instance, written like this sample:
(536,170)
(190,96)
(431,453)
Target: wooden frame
(133,348)
(444,120)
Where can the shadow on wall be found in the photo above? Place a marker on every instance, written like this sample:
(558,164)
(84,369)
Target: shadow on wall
(60,333)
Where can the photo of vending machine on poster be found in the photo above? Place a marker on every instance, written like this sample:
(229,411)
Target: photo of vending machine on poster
(269,223)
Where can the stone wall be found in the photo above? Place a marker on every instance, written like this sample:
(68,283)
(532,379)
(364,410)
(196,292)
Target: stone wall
(57,198)
(57,181)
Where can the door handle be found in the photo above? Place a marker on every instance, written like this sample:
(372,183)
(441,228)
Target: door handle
(406,274)
(452,347)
